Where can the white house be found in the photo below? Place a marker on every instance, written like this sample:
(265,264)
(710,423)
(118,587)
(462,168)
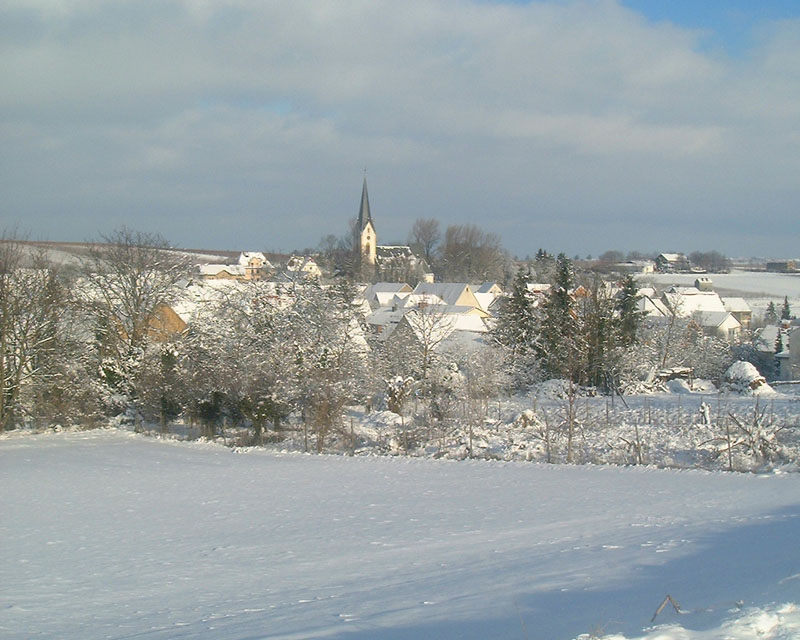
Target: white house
(252,265)
(382,294)
(303,266)
(705,308)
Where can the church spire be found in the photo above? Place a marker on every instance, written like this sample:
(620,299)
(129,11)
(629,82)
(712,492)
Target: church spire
(364,215)
(366,238)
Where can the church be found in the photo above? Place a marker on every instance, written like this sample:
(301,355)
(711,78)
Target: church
(385,262)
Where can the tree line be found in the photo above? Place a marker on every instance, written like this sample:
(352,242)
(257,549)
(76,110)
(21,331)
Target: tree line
(80,346)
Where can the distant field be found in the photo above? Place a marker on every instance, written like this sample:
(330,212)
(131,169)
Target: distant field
(758,288)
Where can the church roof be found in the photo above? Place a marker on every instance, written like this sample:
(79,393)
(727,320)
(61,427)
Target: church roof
(364,215)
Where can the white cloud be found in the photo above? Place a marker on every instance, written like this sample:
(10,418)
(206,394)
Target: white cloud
(567,109)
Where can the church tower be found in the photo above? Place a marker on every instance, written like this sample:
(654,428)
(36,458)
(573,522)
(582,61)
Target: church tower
(366,237)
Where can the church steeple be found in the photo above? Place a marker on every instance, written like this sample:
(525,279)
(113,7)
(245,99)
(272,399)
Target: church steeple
(366,239)
(364,214)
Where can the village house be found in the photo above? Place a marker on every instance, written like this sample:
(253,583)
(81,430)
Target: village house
(252,265)
(449,293)
(452,307)
(782,266)
(672,263)
(440,327)
(635,266)
(740,310)
(382,294)
(488,294)
(705,308)
(303,267)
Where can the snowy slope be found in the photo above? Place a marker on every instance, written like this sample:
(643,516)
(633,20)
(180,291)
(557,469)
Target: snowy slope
(111,535)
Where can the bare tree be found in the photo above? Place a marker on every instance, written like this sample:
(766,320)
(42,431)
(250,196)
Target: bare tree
(329,354)
(130,281)
(470,254)
(30,301)
(424,239)
(412,348)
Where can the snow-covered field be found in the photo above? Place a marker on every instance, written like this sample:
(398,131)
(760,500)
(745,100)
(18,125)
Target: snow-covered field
(758,288)
(107,534)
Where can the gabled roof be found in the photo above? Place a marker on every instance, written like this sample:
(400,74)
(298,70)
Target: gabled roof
(246,256)
(448,292)
(486,299)
(490,287)
(717,319)
(383,294)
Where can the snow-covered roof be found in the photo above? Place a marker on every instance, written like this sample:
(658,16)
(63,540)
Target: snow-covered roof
(448,292)
(386,315)
(384,294)
(247,256)
(303,264)
(539,287)
(736,305)
(485,299)
(717,320)
(216,269)
(652,307)
(469,322)
(387,251)
(686,301)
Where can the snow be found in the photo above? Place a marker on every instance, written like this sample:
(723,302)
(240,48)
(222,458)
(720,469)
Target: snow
(745,377)
(108,534)
(757,288)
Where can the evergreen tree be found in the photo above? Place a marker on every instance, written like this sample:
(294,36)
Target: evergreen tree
(627,307)
(601,329)
(515,332)
(786,312)
(560,343)
(771,315)
(543,265)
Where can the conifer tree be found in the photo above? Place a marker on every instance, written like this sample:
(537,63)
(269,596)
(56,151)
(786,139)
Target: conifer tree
(786,312)
(771,315)
(629,317)
(516,331)
(601,334)
(560,343)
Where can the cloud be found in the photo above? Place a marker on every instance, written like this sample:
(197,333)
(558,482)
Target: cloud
(246,122)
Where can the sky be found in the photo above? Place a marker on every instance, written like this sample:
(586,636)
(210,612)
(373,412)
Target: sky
(574,126)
